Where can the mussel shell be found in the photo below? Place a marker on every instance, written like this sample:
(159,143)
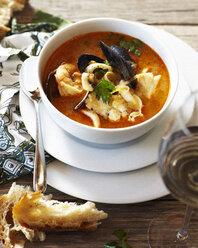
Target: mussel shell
(122,52)
(118,60)
(84,59)
(51,86)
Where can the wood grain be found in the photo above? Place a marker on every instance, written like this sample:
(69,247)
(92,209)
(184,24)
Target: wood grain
(148,11)
(177,17)
(133,217)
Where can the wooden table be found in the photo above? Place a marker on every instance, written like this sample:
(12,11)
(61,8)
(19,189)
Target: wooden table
(179,18)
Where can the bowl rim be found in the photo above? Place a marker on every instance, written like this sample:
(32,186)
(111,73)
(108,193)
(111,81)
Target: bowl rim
(124,22)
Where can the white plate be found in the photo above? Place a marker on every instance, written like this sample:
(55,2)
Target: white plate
(127,187)
(94,157)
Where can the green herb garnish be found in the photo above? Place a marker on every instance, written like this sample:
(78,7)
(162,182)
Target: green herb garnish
(113,244)
(117,36)
(137,52)
(131,46)
(101,72)
(137,42)
(122,236)
(103,90)
(125,44)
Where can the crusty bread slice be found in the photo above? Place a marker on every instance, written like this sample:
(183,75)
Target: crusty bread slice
(9,230)
(7,7)
(33,214)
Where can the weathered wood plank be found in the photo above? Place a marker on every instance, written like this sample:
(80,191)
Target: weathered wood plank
(132,217)
(183,23)
(148,11)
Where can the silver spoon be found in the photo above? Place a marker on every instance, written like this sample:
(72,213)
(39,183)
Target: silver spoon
(40,172)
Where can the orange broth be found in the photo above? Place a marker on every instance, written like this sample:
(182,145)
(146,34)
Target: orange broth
(69,52)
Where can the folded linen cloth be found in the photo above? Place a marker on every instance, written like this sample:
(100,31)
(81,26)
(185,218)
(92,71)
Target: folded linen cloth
(16,146)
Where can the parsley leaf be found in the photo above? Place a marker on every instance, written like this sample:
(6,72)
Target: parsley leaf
(137,42)
(125,44)
(131,46)
(112,244)
(103,90)
(137,52)
(122,236)
(101,72)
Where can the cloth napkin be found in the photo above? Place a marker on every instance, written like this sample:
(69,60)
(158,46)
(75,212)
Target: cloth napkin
(17,149)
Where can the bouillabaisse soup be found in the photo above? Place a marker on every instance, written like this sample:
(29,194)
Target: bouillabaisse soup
(119,96)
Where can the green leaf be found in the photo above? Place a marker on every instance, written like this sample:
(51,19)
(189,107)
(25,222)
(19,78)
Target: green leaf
(131,46)
(125,244)
(101,72)
(137,52)
(125,44)
(137,42)
(112,244)
(121,234)
(103,90)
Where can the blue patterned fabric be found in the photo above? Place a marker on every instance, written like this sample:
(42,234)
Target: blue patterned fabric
(16,146)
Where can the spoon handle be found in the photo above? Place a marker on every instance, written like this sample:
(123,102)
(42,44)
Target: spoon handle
(40,174)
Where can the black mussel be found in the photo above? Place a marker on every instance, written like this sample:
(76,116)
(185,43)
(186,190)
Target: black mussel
(81,103)
(84,59)
(51,86)
(122,52)
(120,61)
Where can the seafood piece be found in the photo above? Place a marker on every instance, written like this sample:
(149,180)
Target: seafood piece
(102,109)
(114,111)
(51,86)
(129,96)
(147,84)
(94,117)
(133,115)
(98,106)
(69,81)
(124,54)
(119,60)
(89,64)
(86,78)
(95,66)
(82,102)
(114,115)
(85,59)
(120,104)
(110,76)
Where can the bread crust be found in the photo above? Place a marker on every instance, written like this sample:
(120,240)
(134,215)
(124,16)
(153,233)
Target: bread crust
(36,211)
(33,214)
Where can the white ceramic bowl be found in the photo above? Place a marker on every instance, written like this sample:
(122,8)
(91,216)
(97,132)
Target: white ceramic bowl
(137,30)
